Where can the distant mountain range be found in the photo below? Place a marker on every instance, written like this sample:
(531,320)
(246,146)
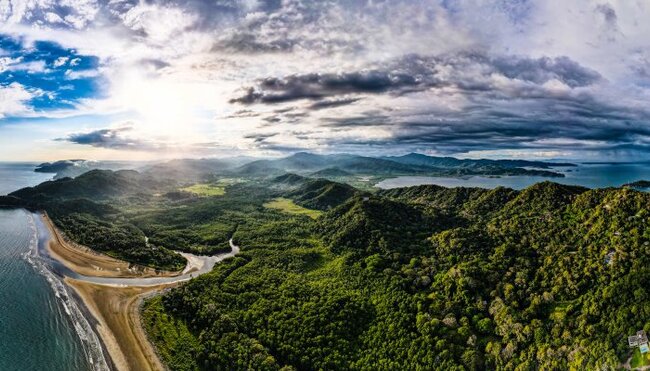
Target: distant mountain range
(74,168)
(341,165)
(315,165)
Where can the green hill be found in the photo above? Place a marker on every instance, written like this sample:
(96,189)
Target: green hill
(322,194)
(330,172)
(95,184)
(549,277)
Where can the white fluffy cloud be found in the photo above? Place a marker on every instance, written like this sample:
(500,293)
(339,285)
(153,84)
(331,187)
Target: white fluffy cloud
(455,76)
(14,100)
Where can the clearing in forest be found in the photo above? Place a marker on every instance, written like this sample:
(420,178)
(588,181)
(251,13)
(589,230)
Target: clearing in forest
(288,206)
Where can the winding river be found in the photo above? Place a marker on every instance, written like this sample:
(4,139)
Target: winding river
(205,264)
(55,272)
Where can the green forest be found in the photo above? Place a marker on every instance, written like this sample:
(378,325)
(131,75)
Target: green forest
(419,278)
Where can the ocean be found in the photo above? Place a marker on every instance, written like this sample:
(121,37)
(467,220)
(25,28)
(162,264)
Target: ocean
(38,328)
(586,175)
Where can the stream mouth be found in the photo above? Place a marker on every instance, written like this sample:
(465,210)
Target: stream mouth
(55,272)
(205,266)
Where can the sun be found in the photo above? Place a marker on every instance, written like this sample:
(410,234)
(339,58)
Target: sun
(164,107)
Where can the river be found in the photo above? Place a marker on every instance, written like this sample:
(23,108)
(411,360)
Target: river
(42,327)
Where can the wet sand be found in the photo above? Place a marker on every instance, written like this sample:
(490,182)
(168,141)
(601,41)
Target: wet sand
(91,263)
(117,312)
(115,298)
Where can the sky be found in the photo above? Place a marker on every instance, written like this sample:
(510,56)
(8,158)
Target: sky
(147,80)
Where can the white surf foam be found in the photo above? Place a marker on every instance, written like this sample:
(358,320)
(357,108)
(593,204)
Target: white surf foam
(89,340)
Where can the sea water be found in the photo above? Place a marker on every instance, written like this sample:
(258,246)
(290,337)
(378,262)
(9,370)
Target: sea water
(38,329)
(586,175)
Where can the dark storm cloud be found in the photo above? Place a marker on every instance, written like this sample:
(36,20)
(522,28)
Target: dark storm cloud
(541,70)
(318,86)
(110,138)
(333,103)
(553,124)
(260,137)
(469,71)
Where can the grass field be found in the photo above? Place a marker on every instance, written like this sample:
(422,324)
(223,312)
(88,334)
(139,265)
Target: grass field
(639,360)
(206,190)
(290,207)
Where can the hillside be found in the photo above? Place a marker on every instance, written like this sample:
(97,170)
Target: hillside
(450,162)
(345,165)
(330,172)
(415,278)
(639,184)
(95,184)
(427,278)
(73,168)
(322,194)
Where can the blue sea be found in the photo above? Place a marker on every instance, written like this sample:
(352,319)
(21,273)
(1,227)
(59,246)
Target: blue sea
(586,175)
(41,328)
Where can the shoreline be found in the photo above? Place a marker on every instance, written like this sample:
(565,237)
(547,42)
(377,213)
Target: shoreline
(87,262)
(92,321)
(112,307)
(116,312)
(113,311)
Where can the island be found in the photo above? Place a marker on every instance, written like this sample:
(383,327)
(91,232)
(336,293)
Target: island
(639,184)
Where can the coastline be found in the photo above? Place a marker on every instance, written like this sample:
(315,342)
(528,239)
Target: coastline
(112,304)
(113,311)
(87,262)
(116,311)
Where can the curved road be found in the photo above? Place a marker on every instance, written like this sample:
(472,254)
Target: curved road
(206,265)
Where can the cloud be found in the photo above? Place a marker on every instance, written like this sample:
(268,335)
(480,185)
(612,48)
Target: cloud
(112,138)
(414,73)
(129,136)
(333,103)
(15,98)
(43,68)
(334,75)
(76,14)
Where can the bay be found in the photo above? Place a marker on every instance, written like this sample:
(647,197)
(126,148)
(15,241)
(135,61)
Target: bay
(586,175)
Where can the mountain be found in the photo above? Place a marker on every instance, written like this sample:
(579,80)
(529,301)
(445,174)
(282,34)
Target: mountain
(414,164)
(95,184)
(639,184)
(58,166)
(423,277)
(451,162)
(307,163)
(74,168)
(191,170)
(330,172)
(289,180)
(373,225)
(426,278)
(320,194)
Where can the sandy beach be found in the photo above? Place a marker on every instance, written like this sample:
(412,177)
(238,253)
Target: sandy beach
(115,300)
(87,262)
(117,311)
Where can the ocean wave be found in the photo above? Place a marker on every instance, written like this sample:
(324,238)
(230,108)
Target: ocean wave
(90,342)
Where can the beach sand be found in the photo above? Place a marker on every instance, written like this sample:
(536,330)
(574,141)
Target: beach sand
(117,311)
(91,263)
